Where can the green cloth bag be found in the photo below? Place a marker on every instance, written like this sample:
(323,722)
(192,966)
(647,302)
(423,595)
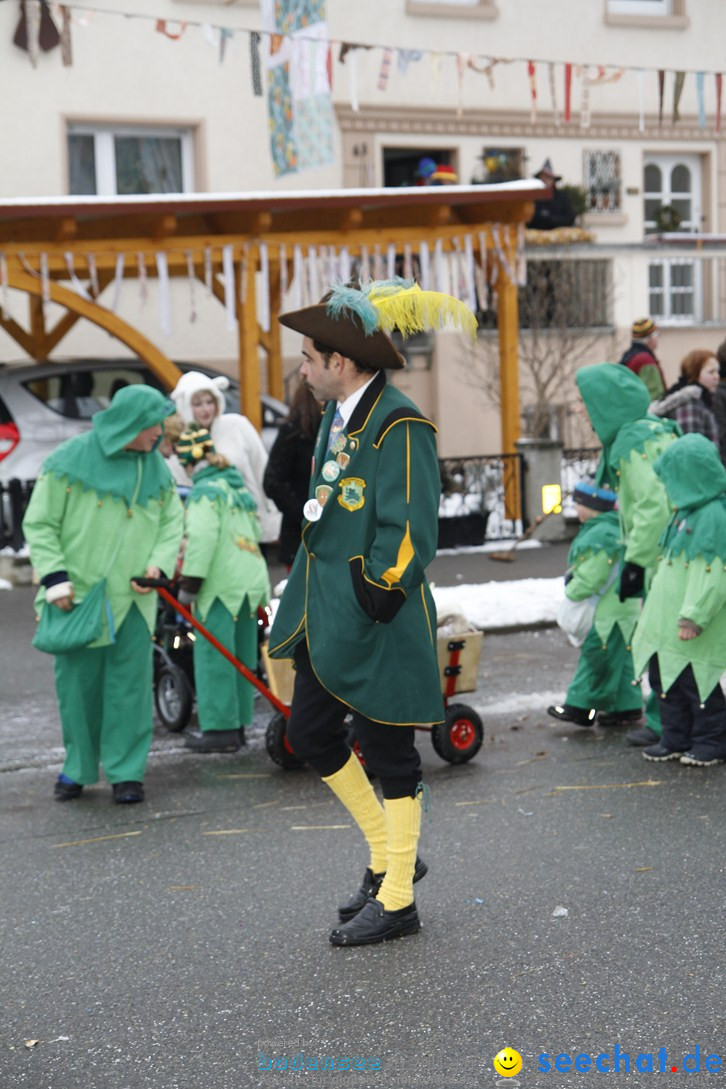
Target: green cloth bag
(60,632)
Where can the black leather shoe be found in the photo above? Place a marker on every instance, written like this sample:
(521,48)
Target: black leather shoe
(66,792)
(128,793)
(642,736)
(374,924)
(565,712)
(213,741)
(621,718)
(369,887)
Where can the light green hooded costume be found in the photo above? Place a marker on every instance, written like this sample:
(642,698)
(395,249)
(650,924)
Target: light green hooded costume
(690,580)
(101,511)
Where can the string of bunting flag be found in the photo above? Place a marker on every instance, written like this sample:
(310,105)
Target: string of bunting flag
(46,23)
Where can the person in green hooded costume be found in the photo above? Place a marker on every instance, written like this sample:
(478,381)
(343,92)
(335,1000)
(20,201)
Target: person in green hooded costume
(603,683)
(681,634)
(617,403)
(224,576)
(357,615)
(105,507)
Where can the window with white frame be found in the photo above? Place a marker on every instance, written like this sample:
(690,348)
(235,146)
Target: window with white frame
(480,9)
(123,160)
(673,290)
(672,193)
(603,181)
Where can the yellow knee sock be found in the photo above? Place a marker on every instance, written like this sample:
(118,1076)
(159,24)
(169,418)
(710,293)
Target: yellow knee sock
(403,823)
(352,787)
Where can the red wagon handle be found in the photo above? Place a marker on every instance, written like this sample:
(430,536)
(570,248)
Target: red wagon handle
(162,587)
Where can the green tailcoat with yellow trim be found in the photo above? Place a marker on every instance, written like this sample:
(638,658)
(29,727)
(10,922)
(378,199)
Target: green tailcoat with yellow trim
(357,590)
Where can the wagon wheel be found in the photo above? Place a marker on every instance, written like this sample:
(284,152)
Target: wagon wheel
(173,697)
(277,745)
(460,736)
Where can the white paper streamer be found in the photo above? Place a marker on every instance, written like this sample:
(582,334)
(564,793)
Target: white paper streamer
(298,278)
(344,264)
(3,285)
(391,261)
(45,283)
(365,266)
(208,269)
(352,66)
(283,273)
(553,93)
(438,265)
(263,299)
(425,264)
(143,285)
(75,282)
(162,275)
(228,275)
(313,274)
(191,278)
(469,271)
(93,274)
(378,267)
(117,281)
(521,256)
(407,262)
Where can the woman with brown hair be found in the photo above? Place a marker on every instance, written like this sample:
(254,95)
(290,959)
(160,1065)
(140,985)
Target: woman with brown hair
(690,401)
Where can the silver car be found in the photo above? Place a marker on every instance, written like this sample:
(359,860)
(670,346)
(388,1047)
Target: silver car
(41,404)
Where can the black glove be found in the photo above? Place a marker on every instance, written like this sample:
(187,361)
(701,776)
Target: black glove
(632,578)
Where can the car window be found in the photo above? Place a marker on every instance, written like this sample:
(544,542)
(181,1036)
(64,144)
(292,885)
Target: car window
(76,395)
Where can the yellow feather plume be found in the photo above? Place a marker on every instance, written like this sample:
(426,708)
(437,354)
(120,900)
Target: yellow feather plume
(412,310)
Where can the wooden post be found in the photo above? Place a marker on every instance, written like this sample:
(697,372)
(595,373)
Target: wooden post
(275,378)
(508,325)
(248,362)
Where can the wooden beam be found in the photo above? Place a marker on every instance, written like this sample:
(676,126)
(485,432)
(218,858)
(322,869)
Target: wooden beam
(508,327)
(19,335)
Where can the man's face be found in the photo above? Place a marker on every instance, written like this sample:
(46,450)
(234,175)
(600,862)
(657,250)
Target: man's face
(320,375)
(146,440)
(204,408)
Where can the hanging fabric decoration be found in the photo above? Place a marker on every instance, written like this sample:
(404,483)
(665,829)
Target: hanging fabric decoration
(436,59)
(661,91)
(353,82)
(462,63)
(209,35)
(93,274)
(45,285)
(255,64)
(379,272)
(224,35)
(385,70)
(391,261)
(407,262)
(585,117)
(407,57)
(719,89)
(480,278)
(191,280)
(493,281)
(143,285)
(297,298)
(680,79)
(313,274)
(521,256)
(425,266)
(501,255)
(532,73)
(263,294)
(162,275)
(162,28)
(459,289)
(553,94)
(75,282)
(568,93)
(344,264)
(244,267)
(208,274)
(3,287)
(33,13)
(641,100)
(117,281)
(469,271)
(283,272)
(228,277)
(66,43)
(439,265)
(701,97)
(365,266)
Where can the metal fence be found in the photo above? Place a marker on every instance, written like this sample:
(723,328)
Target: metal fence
(481,498)
(577,464)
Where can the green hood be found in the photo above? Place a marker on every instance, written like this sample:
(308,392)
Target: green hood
(613,396)
(692,472)
(97,458)
(133,409)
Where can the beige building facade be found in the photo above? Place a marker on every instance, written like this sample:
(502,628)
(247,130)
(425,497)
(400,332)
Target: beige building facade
(477,85)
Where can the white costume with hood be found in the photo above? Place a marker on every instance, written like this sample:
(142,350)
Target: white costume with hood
(235,438)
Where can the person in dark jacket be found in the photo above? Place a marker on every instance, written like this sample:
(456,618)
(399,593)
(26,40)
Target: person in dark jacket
(558,210)
(287,474)
(719,398)
(640,357)
(690,401)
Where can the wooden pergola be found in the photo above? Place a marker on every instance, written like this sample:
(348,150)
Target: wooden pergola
(40,239)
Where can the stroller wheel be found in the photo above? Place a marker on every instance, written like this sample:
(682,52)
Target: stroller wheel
(173,697)
(277,745)
(460,736)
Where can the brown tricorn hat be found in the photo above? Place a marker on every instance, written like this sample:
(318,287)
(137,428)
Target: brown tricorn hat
(355,321)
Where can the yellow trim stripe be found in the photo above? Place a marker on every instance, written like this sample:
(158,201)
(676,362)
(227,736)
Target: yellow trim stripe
(405,555)
(405,419)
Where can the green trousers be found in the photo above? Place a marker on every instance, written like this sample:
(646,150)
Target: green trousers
(604,678)
(224,697)
(104,699)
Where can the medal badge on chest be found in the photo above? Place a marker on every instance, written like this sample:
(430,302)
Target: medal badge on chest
(323,493)
(331,470)
(312,510)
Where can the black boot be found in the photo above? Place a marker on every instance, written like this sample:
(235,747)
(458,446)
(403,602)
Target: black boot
(128,793)
(567,713)
(65,790)
(369,887)
(213,740)
(374,924)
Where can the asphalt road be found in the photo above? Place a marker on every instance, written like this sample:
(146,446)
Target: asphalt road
(574,903)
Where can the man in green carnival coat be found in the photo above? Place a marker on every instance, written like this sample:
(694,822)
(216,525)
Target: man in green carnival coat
(617,403)
(357,614)
(105,507)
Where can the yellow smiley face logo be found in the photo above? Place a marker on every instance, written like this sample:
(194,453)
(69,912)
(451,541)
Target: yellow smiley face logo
(508,1062)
